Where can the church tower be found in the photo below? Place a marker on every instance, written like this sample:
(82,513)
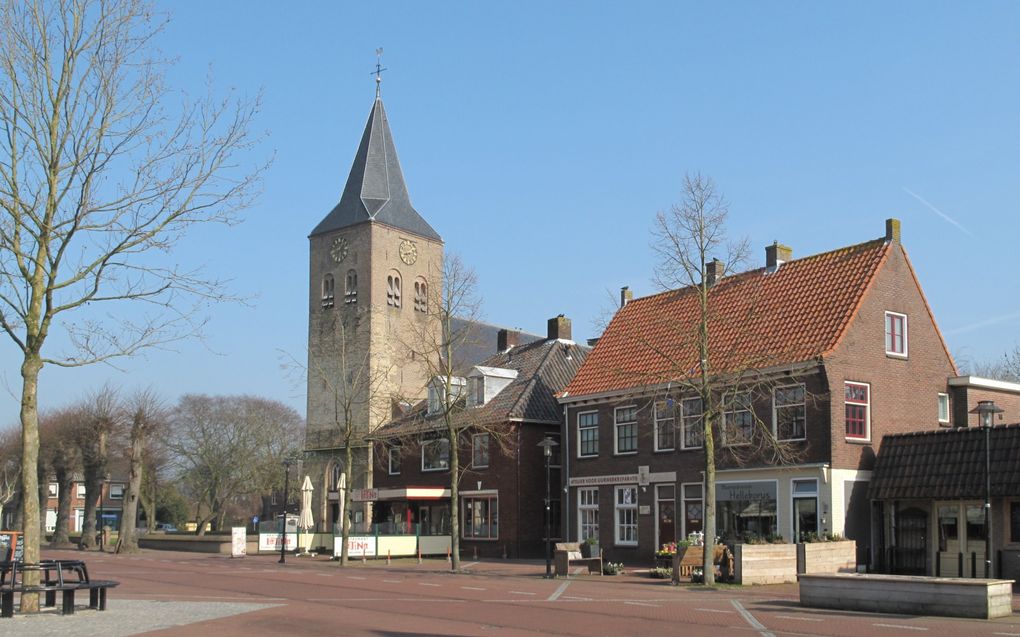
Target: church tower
(371,260)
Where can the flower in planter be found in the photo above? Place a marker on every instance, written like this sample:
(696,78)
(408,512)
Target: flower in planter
(612,568)
(661,573)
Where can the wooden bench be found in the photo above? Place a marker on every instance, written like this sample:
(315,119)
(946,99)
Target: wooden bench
(568,553)
(693,557)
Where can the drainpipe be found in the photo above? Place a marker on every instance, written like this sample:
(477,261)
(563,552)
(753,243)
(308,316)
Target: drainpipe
(565,515)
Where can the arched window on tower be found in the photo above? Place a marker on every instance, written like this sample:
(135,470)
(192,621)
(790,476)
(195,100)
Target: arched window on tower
(393,289)
(327,291)
(421,303)
(351,287)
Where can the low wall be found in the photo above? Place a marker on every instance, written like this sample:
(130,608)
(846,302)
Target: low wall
(905,594)
(764,563)
(193,543)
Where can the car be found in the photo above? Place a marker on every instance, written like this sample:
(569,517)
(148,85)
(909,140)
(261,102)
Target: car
(165,527)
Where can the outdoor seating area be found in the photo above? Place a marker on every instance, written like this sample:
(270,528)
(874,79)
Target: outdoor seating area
(569,553)
(55,576)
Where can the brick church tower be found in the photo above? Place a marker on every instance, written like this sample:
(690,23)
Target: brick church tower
(371,259)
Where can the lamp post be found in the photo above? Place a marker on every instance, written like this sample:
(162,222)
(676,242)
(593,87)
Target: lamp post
(547,445)
(286,487)
(986,411)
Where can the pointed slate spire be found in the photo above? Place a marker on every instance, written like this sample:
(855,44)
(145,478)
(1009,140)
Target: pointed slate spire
(375,189)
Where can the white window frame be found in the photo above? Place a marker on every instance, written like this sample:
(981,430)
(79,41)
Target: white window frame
(682,512)
(580,445)
(616,430)
(393,468)
(867,412)
(730,401)
(889,342)
(943,399)
(54,490)
(80,490)
(435,441)
(493,499)
(631,509)
(794,496)
(660,420)
(587,506)
(776,407)
(474,442)
(685,420)
(113,494)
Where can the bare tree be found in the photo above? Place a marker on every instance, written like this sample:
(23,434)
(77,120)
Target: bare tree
(1005,368)
(356,385)
(100,416)
(719,372)
(453,309)
(59,446)
(226,447)
(96,178)
(10,469)
(145,412)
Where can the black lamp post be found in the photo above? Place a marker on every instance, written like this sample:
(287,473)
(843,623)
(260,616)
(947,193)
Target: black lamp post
(986,411)
(547,445)
(286,487)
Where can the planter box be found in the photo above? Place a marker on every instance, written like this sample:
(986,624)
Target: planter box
(945,596)
(764,563)
(827,557)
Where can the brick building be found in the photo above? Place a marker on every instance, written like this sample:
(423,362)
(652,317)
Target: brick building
(826,353)
(108,510)
(509,406)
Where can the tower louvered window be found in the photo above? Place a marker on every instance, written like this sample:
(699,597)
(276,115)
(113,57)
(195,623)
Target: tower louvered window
(351,287)
(393,290)
(420,296)
(327,291)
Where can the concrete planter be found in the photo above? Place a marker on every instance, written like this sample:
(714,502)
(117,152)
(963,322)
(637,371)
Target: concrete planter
(945,596)
(827,557)
(764,563)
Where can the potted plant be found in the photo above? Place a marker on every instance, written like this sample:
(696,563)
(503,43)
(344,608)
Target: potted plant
(613,568)
(590,547)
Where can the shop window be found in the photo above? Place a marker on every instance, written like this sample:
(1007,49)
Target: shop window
(746,510)
(481,517)
(588,513)
(626,510)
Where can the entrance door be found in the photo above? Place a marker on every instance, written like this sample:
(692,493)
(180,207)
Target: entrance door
(910,553)
(961,538)
(666,515)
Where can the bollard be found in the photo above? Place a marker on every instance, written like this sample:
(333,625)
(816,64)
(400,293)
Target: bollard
(419,555)
(364,559)
(504,551)
(475,554)
(387,558)
(449,558)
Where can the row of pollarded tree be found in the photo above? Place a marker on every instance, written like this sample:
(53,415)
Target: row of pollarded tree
(219,451)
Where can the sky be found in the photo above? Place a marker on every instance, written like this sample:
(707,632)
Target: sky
(541,138)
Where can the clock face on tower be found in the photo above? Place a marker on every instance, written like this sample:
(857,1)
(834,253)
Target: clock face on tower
(408,252)
(339,249)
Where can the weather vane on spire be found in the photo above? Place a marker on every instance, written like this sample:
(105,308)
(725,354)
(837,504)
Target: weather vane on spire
(379,68)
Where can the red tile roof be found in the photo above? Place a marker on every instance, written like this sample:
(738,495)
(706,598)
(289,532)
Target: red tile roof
(758,320)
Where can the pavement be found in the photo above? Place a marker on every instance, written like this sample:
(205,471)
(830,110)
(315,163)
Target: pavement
(176,594)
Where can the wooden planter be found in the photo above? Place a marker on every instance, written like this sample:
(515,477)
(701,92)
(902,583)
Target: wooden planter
(764,563)
(827,557)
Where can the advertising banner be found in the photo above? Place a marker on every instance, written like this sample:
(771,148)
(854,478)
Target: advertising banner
(357,546)
(269,542)
(238,541)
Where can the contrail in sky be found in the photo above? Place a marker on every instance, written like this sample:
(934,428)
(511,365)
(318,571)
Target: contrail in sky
(936,210)
(985,323)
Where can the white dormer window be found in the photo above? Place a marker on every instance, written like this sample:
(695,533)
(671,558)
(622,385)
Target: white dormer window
(437,392)
(485,383)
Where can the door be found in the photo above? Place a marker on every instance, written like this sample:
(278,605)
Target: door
(910,553)
(666,515)
(961,539)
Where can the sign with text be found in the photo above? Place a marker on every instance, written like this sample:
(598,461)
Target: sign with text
(12,546)
(745,491)
(271,542)
(357,546)
(364,495)
(623,478)
(238,541)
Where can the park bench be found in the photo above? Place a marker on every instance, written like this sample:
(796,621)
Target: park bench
(568,553)
(51,581)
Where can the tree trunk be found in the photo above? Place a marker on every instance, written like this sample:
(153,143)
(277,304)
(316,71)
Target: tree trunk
(30,369)
(64,485)
(148,501)
(44,498)
(93,491)
(127,540)
(345,517)
(454,491)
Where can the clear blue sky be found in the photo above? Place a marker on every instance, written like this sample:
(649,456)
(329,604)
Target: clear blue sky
(540,139)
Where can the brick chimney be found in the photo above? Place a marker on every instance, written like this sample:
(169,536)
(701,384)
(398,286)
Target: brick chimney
(713,272)
(626,296)
(892,230)
(505,339)
(776,255)
(559,327)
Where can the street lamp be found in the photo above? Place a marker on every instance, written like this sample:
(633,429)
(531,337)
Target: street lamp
(547,445)
(986,411)
(286,487)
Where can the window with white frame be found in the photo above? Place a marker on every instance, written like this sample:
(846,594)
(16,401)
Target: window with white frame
(665,425)
(895,334)
(943,407)
(805,509)
(80,490)
(393,461)
(626,429)
(588,513)
(626,515)
(789,412)
(435,455)
(588,434)
(693,424)
(857,398)
(116,491)
(737,418)
(481,517)
(480,450)
(54,490)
